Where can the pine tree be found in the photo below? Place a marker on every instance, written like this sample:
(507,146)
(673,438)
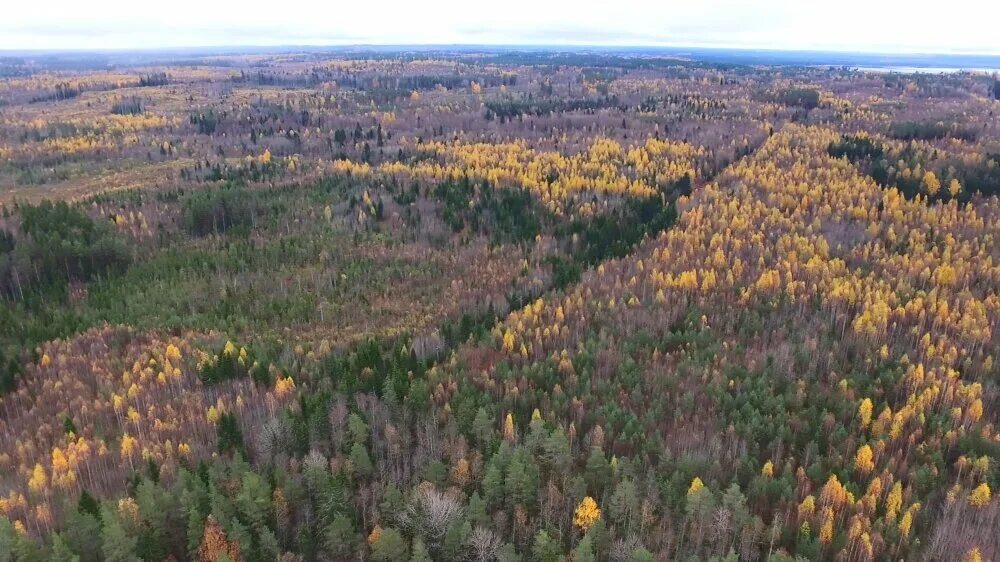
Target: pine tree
(341,539)
(476,511)
(389,546)
(624,503)
(61,552)
(482,427)
(584,551)
(360,460)
(641,555)
(118,546)
(545,549)
(598,472)
(420,553)
(82,533)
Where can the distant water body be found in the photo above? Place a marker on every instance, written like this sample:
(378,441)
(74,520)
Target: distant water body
(923,69)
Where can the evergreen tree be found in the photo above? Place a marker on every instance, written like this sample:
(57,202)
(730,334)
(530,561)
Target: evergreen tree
(229,435)
(598,473)
(8,540)
(390,546)
(545,549)
(82,534)
(624,503)
(420,553)
(508,553)
(341,539)
(482,427)
(360,460)
(641,555)
(584,551)
(61,552)
(493,481)
(476,511)
(87,504)
(118,546)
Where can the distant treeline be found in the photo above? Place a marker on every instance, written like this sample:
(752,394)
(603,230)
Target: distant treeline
(65,90)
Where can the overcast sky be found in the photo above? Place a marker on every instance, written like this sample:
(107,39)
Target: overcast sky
(954,26)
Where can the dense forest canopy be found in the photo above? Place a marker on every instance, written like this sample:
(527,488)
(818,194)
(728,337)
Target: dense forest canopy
(496,306)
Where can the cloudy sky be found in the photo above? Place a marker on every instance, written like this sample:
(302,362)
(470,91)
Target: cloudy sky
(892,26)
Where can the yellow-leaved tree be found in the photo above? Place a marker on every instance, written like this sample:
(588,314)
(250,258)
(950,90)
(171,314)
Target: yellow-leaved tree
(980,496)
(587,513)
(863,460)
(865,412)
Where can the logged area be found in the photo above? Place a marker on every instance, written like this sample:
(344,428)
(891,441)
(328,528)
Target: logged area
(496,306)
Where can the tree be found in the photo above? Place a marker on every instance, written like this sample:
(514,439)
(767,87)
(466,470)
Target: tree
(699,507)
(482,427)
(624,503)
(893,502)
(865,412)
(61,552)
(954,187)
(931,184)
(456,540)
(118,546)
(340,538)
(586,514)
(735,503)
(980,497)
(88,504)
(509,432)
(476,511)
(357,429)
(905,522)
(826,529)
(8,539)
(420,553)
(433,514)
(485,544)
(254,500)
(584,551)
(82,533)
(493,481)
(389,546)
(508,553)
(521,482)
(641,555)
(545,549)
(360,460)
(229,434)
(556,451)
(216,546)
(863,460)
(598,472)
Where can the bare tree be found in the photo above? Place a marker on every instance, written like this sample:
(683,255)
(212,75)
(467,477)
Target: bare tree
(623,548)
(431,514)
(485,544)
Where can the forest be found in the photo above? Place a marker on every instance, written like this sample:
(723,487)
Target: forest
(496,307)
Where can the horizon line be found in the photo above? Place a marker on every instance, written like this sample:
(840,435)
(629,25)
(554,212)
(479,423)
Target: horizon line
(556,46)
